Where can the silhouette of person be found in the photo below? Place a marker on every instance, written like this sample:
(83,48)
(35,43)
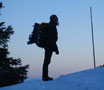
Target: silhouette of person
(51,46)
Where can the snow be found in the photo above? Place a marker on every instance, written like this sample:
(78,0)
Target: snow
(92,79)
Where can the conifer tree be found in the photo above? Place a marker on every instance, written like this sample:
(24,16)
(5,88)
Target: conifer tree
(11,70)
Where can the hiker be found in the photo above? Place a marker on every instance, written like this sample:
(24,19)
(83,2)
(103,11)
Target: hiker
(51,46)
(44,35)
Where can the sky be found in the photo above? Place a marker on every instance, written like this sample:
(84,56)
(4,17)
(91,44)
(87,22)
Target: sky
(74,33)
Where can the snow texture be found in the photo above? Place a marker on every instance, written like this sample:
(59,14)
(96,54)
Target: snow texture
(92,79)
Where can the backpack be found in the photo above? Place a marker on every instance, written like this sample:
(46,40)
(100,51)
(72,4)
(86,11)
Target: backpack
(39,35)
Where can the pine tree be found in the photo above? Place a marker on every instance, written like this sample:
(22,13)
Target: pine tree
(11,70)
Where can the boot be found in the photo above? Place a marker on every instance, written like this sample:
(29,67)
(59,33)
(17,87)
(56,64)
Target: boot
(47,78)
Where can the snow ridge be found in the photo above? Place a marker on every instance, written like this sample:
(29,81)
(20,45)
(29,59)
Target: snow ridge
(92,79)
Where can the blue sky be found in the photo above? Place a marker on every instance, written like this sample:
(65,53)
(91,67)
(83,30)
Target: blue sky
(74,33)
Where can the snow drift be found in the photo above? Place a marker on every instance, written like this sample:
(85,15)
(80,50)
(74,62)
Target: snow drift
(92,79)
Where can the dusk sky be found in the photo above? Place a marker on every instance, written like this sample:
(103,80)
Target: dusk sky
(74,32)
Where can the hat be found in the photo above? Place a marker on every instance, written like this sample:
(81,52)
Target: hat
(52,17)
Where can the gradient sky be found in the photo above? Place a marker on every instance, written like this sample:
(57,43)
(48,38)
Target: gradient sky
(74,33)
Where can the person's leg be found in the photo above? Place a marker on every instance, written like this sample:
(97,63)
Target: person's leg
(47,60)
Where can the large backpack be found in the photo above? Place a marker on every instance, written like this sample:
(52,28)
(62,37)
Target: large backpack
(39,35)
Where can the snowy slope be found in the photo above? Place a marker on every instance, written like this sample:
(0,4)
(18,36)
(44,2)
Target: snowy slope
(92,79)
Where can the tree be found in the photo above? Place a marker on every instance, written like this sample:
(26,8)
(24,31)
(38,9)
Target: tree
(11,70)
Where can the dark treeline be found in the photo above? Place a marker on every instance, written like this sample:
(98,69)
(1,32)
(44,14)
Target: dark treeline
(11,70)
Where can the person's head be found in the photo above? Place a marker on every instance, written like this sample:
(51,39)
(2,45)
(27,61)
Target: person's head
(54,19)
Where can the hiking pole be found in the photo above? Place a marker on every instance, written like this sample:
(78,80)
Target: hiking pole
(92,37)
